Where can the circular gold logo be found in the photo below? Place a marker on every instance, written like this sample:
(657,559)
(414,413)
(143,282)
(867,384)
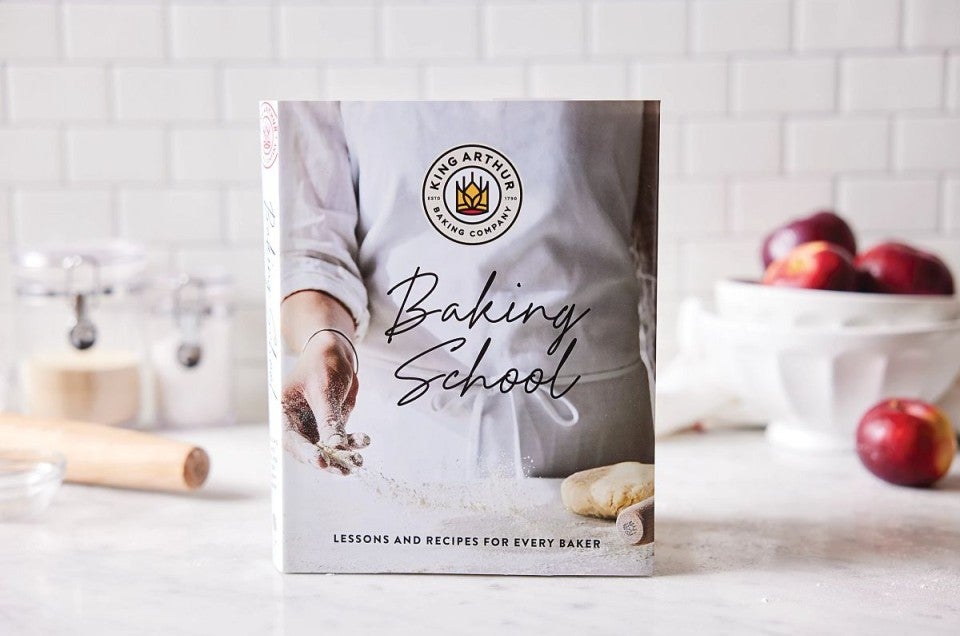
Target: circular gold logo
(472,194)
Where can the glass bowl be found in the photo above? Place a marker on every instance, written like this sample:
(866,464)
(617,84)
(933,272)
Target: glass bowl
(28,481)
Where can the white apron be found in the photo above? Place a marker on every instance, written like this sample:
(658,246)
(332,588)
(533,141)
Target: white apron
(356,228)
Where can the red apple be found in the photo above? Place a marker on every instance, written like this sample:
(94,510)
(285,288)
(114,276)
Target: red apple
(906,442)
(895,268)
(864,282)
(817,265)
(822,226)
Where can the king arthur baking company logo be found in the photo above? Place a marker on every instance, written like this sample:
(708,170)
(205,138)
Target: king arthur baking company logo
(472,194)
(268,135)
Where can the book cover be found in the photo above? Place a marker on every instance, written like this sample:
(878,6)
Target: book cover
(461,309)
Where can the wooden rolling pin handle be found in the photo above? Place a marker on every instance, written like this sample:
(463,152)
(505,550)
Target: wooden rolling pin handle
(110,456)
(196,467)
(635,523)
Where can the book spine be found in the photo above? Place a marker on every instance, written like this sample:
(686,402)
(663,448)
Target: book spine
(270,175)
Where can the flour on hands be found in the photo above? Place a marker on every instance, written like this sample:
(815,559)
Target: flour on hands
(327,447)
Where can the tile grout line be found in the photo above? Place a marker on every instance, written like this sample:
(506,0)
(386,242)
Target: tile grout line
(166,25)
(274,33)
(901,26)
(9,221)
(892,145)
(587,39)
(838,74)
(793,10)
(60,31)
(63,137)
(110,93)
(480,17)
(379,55)
(115,220)
(943,224)
(945,83)
(223,194)
(4,93)
(729,66)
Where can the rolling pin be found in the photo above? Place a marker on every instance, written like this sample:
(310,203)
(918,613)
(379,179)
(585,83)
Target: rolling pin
(109,456)
(635,523)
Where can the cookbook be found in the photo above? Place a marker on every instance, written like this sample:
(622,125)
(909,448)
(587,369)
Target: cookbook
(461,323)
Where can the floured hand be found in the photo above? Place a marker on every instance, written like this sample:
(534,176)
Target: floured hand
(334,460)
(317,401)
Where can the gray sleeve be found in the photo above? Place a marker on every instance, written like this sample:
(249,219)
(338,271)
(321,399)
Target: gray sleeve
(318,208)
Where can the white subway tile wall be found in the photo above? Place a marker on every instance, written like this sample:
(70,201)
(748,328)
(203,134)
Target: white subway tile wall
(892,82)
(929,143)
(29,31)
(29,153)
(54,94)
(325,33)
(151,94)
(731,147)
(158,215)
(656,27)
(83,214)
(931,23)
(139,35)
(578,81)
(139,119)
(537,30)
(423,32)
(115,154)
(873,204)
(837,144)
(838,25)
(740,25)
(803,84)
(475,81)
(684,87)
(757,205)
(204,31)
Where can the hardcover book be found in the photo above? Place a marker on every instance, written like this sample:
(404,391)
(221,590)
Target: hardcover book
(461,317)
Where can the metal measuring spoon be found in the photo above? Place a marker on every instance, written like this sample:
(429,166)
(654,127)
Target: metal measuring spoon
(188,316)
(189,354)
(83,333)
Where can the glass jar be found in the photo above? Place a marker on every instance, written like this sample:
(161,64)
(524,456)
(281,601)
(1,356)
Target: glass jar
(79,331)
(191,350)
(8,369)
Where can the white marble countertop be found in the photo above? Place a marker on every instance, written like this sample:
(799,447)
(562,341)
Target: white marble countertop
(749,538)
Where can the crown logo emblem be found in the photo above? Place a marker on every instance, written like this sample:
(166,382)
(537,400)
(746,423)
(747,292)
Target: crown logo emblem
(472,196)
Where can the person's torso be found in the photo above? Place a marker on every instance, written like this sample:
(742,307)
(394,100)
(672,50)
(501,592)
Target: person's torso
(555,195)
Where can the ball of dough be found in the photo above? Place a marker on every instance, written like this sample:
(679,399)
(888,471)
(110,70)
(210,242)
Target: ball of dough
(605,491)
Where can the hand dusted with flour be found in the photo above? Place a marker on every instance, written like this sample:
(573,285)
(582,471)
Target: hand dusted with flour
(460,316)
